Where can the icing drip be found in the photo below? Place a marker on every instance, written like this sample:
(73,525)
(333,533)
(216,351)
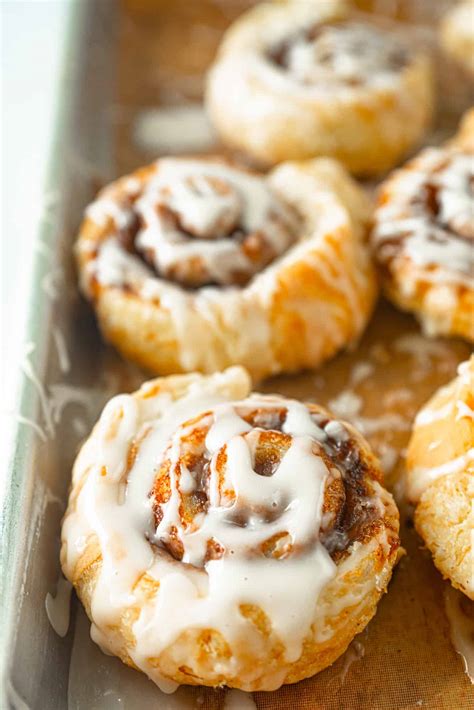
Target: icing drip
(423,477)
(451,403)
(200,222)
(430,217)
(203,513)
(347,54)
(460,614)
(238,700)
(58,607)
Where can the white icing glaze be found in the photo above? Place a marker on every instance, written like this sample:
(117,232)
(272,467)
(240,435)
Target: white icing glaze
(99,682)
(455,407)
(348,54)
(58,607)
(354,653)
(428,415)
(465,375)
(238,700)
(423,477)
(429,240)
(464,411)
(114,503)
(189,210)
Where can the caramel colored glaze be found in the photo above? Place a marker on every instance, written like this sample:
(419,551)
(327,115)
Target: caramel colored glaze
(409,661)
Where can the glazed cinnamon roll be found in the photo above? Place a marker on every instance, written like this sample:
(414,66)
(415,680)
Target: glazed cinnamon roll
(457,34)
(294,80)
(219,537)
(197,264)
(423,236)
(440,471)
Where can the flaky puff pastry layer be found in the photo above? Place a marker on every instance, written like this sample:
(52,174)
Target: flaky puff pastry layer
(146,591)
(259,108)
(440,476)
(298,311)
(457,34)
(423,236)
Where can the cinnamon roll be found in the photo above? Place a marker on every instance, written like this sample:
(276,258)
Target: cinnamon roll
(219,537)
(440,471)
(197,264)
(423,236)
(294,80)
(457,34)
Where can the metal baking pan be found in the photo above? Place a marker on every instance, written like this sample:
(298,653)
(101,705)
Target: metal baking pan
(60,368)
(123,60)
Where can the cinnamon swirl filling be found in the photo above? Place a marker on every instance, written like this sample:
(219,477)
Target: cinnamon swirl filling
(199,222)
(429,216)
(345,53)
(228,485)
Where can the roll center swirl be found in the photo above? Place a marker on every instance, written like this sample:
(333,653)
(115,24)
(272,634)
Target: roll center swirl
(256,480)
(203,223)
(348,53)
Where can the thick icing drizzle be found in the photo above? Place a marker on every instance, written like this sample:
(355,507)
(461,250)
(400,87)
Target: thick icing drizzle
(429,217)
(245,509)
(451,403)
(423,476)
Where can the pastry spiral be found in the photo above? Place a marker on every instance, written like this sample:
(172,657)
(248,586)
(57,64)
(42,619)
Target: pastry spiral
(196,264)
(440,471)
(194,502)
(457,34)
(423,236)
(307,79)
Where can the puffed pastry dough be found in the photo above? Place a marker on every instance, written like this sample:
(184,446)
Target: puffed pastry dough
(295,80)
(457,34)
(423,235)
(197,264)
(440,470)
(194,503)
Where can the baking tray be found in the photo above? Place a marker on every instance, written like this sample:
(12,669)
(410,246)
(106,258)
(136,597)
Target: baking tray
(124,60)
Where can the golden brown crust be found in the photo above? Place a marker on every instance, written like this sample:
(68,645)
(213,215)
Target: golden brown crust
(440,477)
(295,313)
(274,118)
(444,518)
